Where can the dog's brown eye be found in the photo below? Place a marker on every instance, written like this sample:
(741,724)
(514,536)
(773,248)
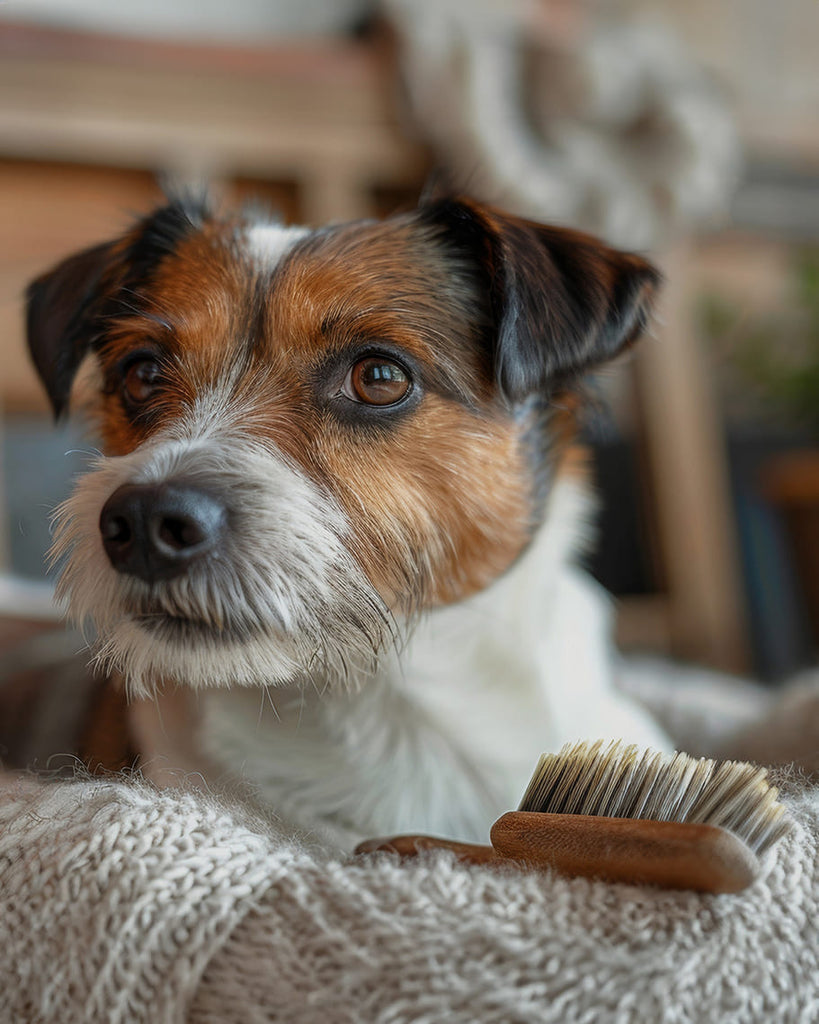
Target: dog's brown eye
(376,381)
(140,380)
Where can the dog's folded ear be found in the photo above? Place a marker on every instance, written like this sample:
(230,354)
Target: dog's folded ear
(67,305)
(61,307)
(560,301)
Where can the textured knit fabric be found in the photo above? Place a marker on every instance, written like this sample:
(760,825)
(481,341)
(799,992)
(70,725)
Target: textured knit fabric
(433,941)
(119,903)
(113,898)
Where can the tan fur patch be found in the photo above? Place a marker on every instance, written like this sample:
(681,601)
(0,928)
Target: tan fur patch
(439,498)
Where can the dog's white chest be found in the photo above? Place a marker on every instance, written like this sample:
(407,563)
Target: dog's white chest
(445,739)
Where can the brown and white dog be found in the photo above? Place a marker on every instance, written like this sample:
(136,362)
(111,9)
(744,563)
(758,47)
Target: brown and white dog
(338,474)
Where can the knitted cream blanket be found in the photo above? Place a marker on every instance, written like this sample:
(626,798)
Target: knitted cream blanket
(123,905)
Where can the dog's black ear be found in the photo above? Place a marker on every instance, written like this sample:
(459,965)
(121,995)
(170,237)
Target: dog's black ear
(61,306)
(65,304)
(560,301)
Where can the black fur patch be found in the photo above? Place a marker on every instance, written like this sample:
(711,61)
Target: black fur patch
(66,307)
(560,300)
(161,233)
(59,319)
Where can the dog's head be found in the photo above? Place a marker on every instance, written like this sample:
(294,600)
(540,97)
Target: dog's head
(311,435)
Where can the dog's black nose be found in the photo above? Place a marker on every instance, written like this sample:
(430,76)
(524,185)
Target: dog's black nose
(155,531)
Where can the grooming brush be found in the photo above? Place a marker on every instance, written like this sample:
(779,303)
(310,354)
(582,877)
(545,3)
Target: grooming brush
(614,812)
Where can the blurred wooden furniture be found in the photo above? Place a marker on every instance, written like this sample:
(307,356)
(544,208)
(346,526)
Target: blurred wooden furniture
(86,123)
(699,614)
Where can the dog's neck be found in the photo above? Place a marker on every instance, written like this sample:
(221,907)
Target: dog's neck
(446,736)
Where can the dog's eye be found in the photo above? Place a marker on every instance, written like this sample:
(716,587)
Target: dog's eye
(377,381)
(140,380)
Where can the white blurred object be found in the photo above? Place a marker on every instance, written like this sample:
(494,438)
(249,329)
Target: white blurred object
(612,128)
(194,20)
(26,599)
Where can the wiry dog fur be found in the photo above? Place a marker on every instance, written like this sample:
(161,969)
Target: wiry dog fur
(354,528)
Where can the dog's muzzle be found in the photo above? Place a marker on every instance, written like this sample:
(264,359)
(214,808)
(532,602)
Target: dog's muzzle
(158,531)
(205,557)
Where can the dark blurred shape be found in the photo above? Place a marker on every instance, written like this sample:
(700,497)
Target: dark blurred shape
(791,482)
(624,558)
(55,715)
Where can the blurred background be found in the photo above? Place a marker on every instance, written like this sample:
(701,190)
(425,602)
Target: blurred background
(688,129)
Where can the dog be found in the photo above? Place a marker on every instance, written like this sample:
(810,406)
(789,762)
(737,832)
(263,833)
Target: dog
(340,477)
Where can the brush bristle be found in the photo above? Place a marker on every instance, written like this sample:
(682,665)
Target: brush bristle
(618,781)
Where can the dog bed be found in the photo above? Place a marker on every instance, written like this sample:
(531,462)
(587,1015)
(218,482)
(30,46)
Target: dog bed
(119,903)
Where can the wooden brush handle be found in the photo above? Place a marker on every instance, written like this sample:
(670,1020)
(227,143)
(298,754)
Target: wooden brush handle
(666,853)
(412,845)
